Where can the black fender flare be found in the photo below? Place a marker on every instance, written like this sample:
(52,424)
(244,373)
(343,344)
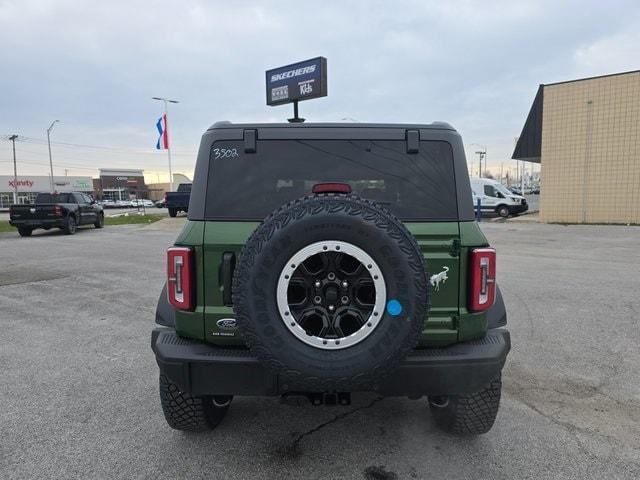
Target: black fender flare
(165,313)
(497,314)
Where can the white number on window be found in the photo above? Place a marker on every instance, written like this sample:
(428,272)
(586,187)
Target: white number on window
(225,153)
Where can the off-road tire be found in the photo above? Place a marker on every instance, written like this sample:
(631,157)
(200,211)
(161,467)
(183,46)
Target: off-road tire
(186,412)
(173,212)
(472,414)
(25,231)
(70,226)
(100,221)
(503,211)
(319,218)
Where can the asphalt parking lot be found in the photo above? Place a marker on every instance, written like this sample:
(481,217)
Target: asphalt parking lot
(79,381)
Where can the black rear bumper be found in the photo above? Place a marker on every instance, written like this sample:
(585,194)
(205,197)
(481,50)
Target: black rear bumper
(203,369)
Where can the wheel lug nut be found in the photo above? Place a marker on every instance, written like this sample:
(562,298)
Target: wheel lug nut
(331,308)
(345,284)
(317,284)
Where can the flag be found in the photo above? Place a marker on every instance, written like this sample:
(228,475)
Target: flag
(163,131)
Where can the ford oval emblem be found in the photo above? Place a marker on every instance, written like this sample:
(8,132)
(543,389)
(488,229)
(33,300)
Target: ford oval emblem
(227,324)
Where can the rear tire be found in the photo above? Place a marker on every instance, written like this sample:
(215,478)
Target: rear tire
(70,226)
(173,212)
(188,413)
(472,414)
(25,231)
(503,211)
(100,221)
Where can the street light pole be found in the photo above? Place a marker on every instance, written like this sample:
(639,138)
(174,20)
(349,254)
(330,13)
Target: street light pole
(49,144)
(15,169)
(481,154)
(166,102)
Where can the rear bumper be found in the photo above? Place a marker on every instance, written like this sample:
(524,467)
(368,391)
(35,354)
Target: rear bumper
(203,369)
(37,223)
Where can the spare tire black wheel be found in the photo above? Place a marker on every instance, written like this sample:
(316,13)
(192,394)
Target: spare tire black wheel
(331,293)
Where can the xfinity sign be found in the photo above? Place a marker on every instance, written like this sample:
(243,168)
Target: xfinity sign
(296,82)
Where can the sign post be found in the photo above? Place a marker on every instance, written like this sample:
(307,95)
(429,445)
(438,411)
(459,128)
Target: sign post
(296,82)
(15,169)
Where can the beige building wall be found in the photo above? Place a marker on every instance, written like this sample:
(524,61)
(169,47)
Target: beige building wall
(590,151)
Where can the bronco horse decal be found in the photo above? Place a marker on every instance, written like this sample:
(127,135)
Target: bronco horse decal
(439,277)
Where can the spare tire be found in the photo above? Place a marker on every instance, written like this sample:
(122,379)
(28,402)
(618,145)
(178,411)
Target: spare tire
(330,292)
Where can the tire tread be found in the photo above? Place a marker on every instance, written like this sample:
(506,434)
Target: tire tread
(186,412)
(472,414)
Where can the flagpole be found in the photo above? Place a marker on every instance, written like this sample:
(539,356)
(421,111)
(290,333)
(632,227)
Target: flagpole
(166,102)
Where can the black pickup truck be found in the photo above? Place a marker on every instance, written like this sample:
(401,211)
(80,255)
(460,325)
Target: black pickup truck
(178,201)
(57,210)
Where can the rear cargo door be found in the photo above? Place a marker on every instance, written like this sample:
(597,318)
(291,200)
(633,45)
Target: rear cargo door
(440,245)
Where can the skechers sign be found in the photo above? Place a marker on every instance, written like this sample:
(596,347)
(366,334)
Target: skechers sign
(299,81)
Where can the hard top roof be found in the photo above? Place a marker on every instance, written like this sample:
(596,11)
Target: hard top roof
(404,126)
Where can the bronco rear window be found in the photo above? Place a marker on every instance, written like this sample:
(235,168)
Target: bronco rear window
(249,186)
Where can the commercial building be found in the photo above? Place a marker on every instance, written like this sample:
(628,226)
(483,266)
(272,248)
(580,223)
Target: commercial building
(120,184)
(586,135)
(157,190)
(30,185)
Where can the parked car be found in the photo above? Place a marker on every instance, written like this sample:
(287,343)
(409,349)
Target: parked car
(142,202)
(516,190)
(161,204)
(107,203)
(178,201)
(330,293)
(66,211)
(495,197)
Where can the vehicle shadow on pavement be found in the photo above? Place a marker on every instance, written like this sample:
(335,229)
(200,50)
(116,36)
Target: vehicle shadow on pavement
(363,440)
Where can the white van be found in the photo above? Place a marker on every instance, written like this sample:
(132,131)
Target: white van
(495,197)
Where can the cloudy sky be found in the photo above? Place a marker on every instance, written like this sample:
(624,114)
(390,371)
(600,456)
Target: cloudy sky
(96,65)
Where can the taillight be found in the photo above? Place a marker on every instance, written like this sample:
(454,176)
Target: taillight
(482,269)
(180,283)
(331,188)
(57,210)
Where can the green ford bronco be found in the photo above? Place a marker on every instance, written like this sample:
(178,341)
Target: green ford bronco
(320,260)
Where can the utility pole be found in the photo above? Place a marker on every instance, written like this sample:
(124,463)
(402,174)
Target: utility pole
(49,144)
(166,102)
(15,169)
